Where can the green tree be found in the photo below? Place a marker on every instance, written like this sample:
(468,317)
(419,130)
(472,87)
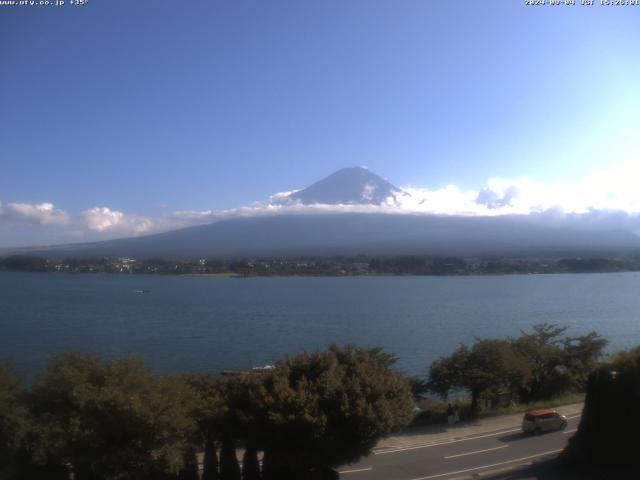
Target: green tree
(610,419)
(13,414)
(542,349)
(111,420)
(229,412)
(239,422)
(250,465)
(210,412)
(419,387)
(190,466)
(558,363)
(24,263)
(324,409)
(447,373)
(627,361)
(229,466)
(581,356)
(210,461)
(489,367)
(538,364)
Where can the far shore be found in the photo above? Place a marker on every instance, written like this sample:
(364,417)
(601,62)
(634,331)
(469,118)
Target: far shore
(223,275)
(319,275)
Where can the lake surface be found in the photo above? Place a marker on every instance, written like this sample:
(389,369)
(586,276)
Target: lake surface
(207,324)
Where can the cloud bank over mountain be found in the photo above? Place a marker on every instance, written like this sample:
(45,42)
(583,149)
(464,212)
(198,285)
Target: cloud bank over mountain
(34,214)
(608,198)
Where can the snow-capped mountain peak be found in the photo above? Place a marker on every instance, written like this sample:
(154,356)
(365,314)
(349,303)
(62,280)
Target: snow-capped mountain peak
(348,186)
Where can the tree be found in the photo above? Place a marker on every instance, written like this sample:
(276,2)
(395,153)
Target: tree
(582,355)
(250,464)
(239,422)
(447,372)
(210,462)
(536,365)
(328,408)
(543,351)
(210,412)
(489,367)
(24,263)
(557,363)
(111,420)
(419,387)
(228,412)
(190,466)
(229,466)
(246,420)
(13,414)
(610,418)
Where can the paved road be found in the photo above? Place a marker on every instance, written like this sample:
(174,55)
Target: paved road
(462,456)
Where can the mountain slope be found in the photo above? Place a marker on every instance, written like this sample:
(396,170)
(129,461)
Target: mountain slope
(351,234)
(312,233)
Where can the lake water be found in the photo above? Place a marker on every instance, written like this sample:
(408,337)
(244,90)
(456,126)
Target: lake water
(208,324)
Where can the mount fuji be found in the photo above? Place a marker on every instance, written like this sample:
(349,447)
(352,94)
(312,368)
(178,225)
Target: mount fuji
(349,186)
(351,212)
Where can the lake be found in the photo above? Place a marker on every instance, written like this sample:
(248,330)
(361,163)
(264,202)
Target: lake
(207,324)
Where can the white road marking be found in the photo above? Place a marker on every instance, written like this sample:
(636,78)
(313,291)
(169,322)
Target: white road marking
(446,442)
(466,439)
(489,466)
(477,451)
(570,431)
(355,471)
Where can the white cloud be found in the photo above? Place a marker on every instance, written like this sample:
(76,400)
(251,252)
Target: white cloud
(192,215)
(35,214)
(610,192)
(282,197)
(609,197)
(601,195)
(103,219)
(614,189)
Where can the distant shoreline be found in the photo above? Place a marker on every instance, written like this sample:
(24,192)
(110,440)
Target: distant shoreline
(337,266)
(214,275)
(299,275)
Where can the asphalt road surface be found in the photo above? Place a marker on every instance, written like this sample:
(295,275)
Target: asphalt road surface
(462,456)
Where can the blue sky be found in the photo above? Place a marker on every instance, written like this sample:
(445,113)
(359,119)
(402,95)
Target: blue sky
(119,113)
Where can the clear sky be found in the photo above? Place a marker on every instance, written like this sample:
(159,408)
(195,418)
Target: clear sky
(146,108)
